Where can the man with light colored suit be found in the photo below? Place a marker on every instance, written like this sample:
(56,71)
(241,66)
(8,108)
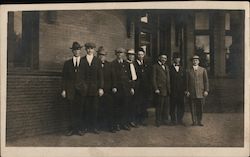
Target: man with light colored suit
(197,88)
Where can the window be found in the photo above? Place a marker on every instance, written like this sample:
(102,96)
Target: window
(202,47)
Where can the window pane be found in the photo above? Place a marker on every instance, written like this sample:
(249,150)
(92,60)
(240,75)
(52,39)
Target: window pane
(145,40)
(228,44)
(227,21)
(201,21)
(144,18)
(202,43)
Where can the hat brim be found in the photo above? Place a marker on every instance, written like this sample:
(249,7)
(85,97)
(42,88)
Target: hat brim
(75,48)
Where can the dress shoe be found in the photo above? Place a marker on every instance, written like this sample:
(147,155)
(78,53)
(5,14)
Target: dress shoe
(112,130)
(181,123)
(144,123)
(125,127)
(157,124)
(194,124)
(117,128)
(200,124)
(133,124)
(95,131)
(69,133)
(81,133)
(172,123)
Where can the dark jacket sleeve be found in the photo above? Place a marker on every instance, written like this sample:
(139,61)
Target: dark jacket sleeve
(100,75)
(206,81)
(64,75)
(113,76)
(186,80)
(168,80)
(154,81)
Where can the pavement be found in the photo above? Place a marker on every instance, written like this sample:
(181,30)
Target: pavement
(219,130)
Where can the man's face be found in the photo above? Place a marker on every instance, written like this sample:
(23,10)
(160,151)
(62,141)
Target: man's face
(177,60)
(163,59)
(119,55)
(76,52)
(196,62)
(131,57)
(90,50)
(140,55)
(102,57)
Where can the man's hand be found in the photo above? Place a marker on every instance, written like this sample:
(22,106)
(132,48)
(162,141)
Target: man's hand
(114,90)
(132,91)
(157,91)
(101,92)
(187,93)
(205,93)
(63,94)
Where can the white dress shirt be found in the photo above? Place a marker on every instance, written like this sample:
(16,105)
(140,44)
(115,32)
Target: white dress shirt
(76,61)
(163,67)
(177,67)
(139,62)
(195,67)
(89,58)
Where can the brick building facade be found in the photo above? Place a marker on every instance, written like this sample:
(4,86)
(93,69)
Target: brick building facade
(38,44)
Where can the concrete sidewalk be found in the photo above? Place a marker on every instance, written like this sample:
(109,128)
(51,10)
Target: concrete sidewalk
(219,130)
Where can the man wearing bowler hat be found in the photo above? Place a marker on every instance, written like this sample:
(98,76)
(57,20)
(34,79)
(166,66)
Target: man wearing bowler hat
(72,89)
(177,90)
(93,78)
(106,108)
(197,88)
(161,85)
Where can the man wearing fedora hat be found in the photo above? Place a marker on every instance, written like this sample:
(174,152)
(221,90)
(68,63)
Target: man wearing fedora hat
(132,107)
(72,90)
(197,87)
(106,108)
(121,89)
(161,85)
(93,77)
(177,90)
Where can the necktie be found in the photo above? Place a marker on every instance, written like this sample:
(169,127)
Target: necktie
(133,73)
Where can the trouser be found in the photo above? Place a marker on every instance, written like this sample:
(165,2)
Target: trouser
(106,111)
(75,112)
(162,109)
(196,106)
(141,102)
(131,109)
(177,108)
(119,105)
(91,112)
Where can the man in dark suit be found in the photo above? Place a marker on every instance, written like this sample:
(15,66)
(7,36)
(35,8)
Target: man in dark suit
(197,89)
(161,85)
(132,106)
(93,79)
(142,95)
(106,108)
(71,89)
(177,91)
(121,89)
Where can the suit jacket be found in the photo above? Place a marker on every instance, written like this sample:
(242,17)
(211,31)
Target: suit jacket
(72,79)
(92,76)
(161,79)
(144,72)
(197,82)
(177,81)
(122,77)
(107,77)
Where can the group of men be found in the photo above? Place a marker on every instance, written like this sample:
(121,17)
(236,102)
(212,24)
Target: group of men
(115,95)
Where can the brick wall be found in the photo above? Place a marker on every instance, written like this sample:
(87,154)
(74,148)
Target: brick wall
(34,105)
(105,28)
